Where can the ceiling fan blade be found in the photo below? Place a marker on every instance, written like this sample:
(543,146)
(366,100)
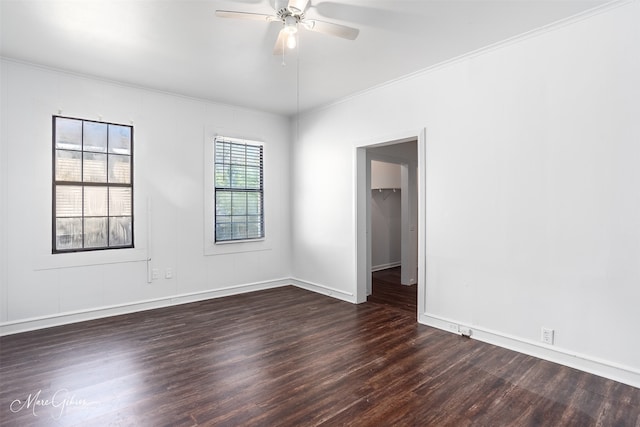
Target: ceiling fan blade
(298,7)
(245,15)
(337,30)
(278,48)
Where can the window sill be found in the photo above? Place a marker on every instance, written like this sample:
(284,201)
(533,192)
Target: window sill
(231,242)
(235,247)
(82,259)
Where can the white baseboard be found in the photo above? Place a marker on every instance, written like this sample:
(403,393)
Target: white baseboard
(603,368)
(30,324)
(58,319)
(385,266)
(24,325)
(325,290)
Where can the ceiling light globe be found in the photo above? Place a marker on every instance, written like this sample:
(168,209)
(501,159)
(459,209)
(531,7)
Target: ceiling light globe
(291,41)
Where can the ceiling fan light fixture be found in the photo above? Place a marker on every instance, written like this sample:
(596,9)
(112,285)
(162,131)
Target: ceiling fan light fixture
(290,13)
(291,30)
(291,25)
(291,41)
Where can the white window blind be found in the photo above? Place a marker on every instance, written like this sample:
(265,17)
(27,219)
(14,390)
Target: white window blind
(238,171)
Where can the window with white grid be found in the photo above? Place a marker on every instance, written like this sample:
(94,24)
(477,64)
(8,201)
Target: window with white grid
(238,171)
(92,185)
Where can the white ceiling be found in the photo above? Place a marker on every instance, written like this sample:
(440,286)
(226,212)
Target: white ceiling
(180,46)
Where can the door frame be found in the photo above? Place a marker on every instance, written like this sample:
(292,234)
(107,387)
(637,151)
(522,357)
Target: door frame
(363,213)
(408,203)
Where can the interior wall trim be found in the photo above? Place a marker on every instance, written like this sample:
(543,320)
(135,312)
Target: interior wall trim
(562,23)
(324,290)
(4,196)
(604,368)
(375,268)
(58,319)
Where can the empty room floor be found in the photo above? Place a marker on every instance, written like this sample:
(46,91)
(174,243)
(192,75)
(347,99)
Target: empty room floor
(289,357)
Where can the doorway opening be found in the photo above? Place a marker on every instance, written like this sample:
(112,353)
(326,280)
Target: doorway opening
(390,238)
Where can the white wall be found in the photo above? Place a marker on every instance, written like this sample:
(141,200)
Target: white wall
(386,213)
(533,208)
(385,175)
(39,289)
(385,229)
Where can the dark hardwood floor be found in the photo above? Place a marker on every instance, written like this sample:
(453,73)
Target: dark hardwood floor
(289,357)
(386,289)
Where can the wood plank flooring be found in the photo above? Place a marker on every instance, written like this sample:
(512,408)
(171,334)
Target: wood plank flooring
(386,289)
(289,357)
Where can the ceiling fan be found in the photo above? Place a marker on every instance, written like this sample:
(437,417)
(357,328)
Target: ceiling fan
(291,13)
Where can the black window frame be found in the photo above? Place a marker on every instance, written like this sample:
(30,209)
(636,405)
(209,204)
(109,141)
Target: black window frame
(231,189)
(86,184)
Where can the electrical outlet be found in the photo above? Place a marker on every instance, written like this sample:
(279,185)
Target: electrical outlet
(454,328)
(168,273)
(547,336)
(155,273)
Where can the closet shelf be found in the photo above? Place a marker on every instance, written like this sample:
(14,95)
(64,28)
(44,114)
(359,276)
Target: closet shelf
(387,191)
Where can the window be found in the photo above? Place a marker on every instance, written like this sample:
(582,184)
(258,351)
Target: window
(92,185)
(238,190)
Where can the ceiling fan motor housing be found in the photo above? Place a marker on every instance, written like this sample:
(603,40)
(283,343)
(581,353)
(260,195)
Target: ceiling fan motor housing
(283,10)
(291,24)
